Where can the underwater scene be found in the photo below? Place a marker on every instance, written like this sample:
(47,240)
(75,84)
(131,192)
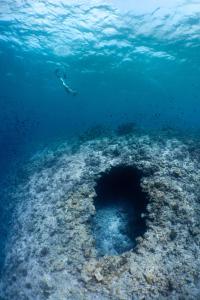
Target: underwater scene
(99,149)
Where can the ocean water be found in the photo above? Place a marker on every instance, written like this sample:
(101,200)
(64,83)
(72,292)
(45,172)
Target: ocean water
(129,62)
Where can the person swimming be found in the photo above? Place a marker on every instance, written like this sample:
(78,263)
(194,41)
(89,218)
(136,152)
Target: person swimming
(62,79)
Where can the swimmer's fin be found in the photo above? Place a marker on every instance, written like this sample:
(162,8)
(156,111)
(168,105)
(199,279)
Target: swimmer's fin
(74,93)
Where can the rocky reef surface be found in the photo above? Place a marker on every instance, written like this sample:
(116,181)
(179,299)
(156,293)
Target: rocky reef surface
(51,252)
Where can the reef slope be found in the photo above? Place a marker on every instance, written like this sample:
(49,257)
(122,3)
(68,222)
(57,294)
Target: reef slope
(51,250)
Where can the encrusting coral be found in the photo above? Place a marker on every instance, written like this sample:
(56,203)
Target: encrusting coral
(51,251)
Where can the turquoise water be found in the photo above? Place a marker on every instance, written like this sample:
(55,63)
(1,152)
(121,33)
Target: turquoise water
(128,62)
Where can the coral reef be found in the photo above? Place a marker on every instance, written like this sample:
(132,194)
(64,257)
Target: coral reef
(126,128)
(51,252)
(94,132)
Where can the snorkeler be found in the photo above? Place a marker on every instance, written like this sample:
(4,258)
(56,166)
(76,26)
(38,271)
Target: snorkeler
(62,80)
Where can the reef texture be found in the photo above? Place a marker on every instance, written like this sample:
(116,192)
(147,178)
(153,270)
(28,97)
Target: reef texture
(51,250)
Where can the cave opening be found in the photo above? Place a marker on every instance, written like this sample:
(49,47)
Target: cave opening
(120,203)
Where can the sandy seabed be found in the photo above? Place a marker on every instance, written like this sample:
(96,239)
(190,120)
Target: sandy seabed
(51,252)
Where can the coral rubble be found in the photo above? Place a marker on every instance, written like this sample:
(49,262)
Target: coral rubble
(51,251)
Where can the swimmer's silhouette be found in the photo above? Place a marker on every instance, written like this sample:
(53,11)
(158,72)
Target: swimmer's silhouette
(62,79)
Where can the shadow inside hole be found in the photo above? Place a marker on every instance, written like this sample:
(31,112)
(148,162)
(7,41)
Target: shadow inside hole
(119,204)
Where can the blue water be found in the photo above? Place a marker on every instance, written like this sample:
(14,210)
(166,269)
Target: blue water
(129,62)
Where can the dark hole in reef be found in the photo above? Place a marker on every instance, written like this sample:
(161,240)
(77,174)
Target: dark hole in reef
(119,204)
